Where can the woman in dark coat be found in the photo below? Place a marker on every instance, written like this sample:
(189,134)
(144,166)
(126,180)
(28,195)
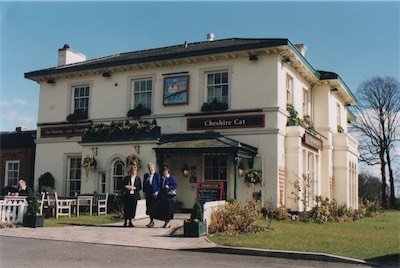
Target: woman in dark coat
(151,187)
(132,186)
(167,201)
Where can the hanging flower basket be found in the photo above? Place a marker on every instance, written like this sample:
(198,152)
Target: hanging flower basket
(89,164)
(131,161)
(253,176)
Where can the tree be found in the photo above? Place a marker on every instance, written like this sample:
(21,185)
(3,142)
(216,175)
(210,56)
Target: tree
(369,186)
(377,122)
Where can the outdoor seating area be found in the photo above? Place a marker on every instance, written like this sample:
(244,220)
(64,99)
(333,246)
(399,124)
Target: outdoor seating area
(12,208)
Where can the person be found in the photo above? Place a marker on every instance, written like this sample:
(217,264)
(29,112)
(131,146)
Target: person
(167,201)
(151,187)
(23,189)
(132,184)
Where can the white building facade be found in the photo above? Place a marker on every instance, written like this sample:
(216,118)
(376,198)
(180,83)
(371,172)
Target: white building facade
(251,81)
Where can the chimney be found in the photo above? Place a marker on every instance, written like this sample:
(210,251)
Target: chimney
(210,37)
(302,48)
(68,56)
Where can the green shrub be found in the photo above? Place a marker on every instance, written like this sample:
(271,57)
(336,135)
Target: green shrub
(197,213)
(232,219)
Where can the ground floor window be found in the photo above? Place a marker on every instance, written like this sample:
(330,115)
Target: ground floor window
(102,183)
(118,175)
(75,175)
(215,169)
(12,173)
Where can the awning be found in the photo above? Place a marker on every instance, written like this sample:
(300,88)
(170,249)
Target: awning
(203,144)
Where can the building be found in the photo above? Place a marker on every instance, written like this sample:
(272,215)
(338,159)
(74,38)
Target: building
(17,150)
(212,110)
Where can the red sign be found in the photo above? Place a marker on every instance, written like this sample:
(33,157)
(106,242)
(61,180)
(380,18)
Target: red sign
(209,191)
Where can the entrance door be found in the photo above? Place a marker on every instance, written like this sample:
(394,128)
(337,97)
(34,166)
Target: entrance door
(215,169)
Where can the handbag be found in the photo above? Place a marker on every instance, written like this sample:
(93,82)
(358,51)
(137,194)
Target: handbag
(171,193)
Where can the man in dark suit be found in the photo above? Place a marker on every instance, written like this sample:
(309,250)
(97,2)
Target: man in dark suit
(132,184)
(151,187)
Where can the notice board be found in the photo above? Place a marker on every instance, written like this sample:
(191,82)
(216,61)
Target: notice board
(209,191)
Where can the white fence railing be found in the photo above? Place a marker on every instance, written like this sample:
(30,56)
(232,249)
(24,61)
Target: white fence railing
(12,211)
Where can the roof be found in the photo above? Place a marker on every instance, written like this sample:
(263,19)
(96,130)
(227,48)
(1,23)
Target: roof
(164,53)
(20,139)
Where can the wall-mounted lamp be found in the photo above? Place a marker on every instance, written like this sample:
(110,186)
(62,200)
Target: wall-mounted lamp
(253,57)
(51,81)
(334,89)
(94,150)
(240,171)
(185,171)
(106,74)
(287,60)
(137,148)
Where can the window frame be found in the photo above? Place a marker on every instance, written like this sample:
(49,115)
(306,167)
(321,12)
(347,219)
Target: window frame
(133,93)
(210,168)
(222,84)
(7,178)
(73,87)
(78,174)
(289,89)
(114,184)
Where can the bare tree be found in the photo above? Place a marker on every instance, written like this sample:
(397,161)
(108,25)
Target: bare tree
(377,121)
(369,186)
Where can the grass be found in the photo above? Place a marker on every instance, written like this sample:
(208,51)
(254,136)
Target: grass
(83,219)
(364,239)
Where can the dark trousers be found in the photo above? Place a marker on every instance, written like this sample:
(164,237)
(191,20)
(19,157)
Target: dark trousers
(130,204)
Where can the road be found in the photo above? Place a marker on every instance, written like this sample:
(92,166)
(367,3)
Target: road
(26,252)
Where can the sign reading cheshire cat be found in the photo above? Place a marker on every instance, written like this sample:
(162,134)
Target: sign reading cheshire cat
(221,122)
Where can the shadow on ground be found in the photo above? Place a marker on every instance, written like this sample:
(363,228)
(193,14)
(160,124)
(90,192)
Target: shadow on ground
(387,260)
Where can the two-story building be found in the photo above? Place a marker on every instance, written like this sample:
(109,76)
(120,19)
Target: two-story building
(212,110)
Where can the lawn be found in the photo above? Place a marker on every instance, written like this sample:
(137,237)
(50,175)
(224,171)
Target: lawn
(83,219)
(364,239)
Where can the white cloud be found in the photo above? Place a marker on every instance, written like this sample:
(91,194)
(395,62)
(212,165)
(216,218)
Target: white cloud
(13,102)
(18,119)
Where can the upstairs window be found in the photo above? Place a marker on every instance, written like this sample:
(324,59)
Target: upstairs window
(12,173)
(218,87)
(289,89)
(306,102)
(81,100)
(142,92)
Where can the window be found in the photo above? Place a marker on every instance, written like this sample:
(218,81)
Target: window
(81,100)
(142,90)
(12,173)
(289,89)
(75,175)
(102,183)
(118,175)
(306,110)
(215,169)
(338,116)
(217,87)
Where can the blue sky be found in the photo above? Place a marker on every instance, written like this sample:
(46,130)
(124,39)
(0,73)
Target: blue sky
(357,40)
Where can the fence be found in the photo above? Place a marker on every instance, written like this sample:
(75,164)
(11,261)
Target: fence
(12,211)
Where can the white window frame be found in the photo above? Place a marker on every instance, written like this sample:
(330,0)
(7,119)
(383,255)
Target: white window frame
(306,102)
(134,101)
(289,89)
(220,97)
(114,176)
(15,178)
(209,169)
(79,174)
(75,86)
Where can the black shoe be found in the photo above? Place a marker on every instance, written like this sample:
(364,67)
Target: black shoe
(151,224)
(125,224)
(131,225)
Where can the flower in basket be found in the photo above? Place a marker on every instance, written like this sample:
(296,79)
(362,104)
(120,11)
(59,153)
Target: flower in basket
(89,163)
(253,176)
(131,161)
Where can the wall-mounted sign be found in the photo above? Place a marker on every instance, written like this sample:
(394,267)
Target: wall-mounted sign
(312,141)
(209,191)
(64,131)
(176,90)
(221,122)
